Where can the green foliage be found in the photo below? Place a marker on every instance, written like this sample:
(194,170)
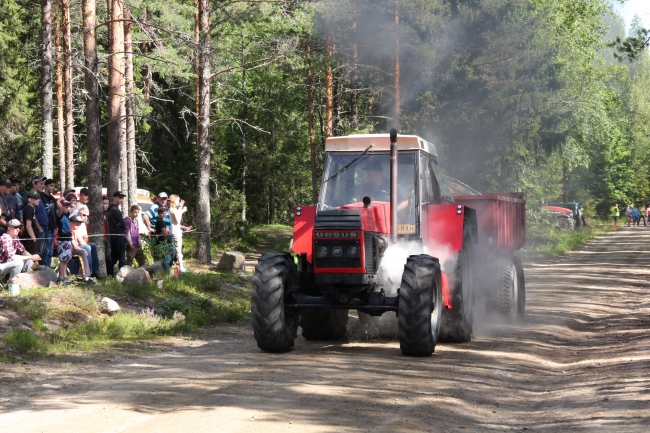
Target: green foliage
(545,240)
(23,341)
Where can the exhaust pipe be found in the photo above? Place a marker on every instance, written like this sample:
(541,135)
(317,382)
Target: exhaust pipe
(393,185)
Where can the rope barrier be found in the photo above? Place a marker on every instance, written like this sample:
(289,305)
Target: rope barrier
(124,235)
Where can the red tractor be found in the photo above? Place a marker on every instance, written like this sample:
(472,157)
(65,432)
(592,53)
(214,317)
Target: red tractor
(387,235)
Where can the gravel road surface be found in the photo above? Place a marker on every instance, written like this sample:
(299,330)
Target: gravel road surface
(579,362)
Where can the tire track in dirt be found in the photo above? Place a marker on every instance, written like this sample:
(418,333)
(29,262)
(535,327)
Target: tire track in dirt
(579,362)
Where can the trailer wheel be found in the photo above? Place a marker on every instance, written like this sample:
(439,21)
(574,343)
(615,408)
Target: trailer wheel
(323,324)
(420,306)
(274,326)
(504,299)
(521,285)
(457,320)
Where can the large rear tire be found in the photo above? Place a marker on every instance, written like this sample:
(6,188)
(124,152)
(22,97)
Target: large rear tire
(420,306)
(521,281)
(457,320)
(323,324)
(504,298)
(274,281)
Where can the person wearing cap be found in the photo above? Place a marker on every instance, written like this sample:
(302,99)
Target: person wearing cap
(150,217)
(84,254)
(65,247)
(378,186)
(48,200)
(80,235)
(7,189)
(115,229)
(21,200)
(5,212)
(30,223)
(14,259)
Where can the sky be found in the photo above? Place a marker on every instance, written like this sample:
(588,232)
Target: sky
(631,7)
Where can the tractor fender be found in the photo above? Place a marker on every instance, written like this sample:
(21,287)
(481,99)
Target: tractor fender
(303,229)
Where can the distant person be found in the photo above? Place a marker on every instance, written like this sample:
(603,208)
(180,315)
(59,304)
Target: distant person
(115,231)
(80,234)
(64,240)
(29,236)
(150,217)
(162,239)
(636,215)
(21,200)
(177,209)
(5,212)
(615,214)
(38,185)
(582,216)
(48,200)
(7,190)
(14,259)
(133,243)
(78,249)
(628,215)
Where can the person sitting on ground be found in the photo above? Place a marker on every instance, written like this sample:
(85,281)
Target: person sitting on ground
(29,236)
(162,239)
(14,259)
(80,237)
(133,244)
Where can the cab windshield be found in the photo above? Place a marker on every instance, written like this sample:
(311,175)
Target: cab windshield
(369,176)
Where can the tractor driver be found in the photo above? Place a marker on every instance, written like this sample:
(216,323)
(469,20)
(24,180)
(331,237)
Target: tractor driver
(378,187)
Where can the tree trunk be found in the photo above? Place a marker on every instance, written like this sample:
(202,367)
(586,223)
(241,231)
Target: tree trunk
(94,149)
(47,128)
(197,85)
(145,52)
(203,156)
(271,203)
(59,96)
(354,94)
(329,101)
(397,102)
(132,167)
(115,80)
(67,93)
(310,118)
(337,85)
(243,130)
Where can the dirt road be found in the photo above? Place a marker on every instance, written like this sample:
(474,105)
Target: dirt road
(580,362)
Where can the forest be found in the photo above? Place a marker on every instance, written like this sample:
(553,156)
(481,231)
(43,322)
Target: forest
(228,103)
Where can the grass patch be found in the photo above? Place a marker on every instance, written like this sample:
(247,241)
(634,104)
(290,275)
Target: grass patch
(545,241)
(182,305)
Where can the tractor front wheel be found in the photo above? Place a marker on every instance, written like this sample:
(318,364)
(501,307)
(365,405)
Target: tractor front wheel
(457,321)
(275,278)
(420,306)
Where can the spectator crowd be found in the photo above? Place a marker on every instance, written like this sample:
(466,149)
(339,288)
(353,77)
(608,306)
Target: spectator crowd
(36,226)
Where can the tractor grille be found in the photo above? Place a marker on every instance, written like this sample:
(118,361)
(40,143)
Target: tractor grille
(338,219)
(337,254)
(369,246)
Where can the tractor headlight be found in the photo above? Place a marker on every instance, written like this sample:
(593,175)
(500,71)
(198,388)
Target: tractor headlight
(321,251)
(352,251)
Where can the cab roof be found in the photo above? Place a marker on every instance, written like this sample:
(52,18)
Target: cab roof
(356,143)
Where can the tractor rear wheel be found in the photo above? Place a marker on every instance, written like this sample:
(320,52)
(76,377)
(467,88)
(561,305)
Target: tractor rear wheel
(275,279)
(505,294)
(323,324)
(420,306)
(521,285)
(457,320)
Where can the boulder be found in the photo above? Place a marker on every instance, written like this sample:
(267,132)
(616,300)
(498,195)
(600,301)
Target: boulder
(155,269)
(39,278)
(123,272)
(137,276)
(108,306)
(231,261)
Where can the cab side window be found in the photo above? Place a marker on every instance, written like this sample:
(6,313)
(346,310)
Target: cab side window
(436,192)
(425,180)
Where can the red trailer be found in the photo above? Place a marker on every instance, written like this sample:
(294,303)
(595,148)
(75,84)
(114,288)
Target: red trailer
(501,231)
(388,236)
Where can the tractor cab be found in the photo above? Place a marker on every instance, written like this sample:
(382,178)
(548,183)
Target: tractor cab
(358,167)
